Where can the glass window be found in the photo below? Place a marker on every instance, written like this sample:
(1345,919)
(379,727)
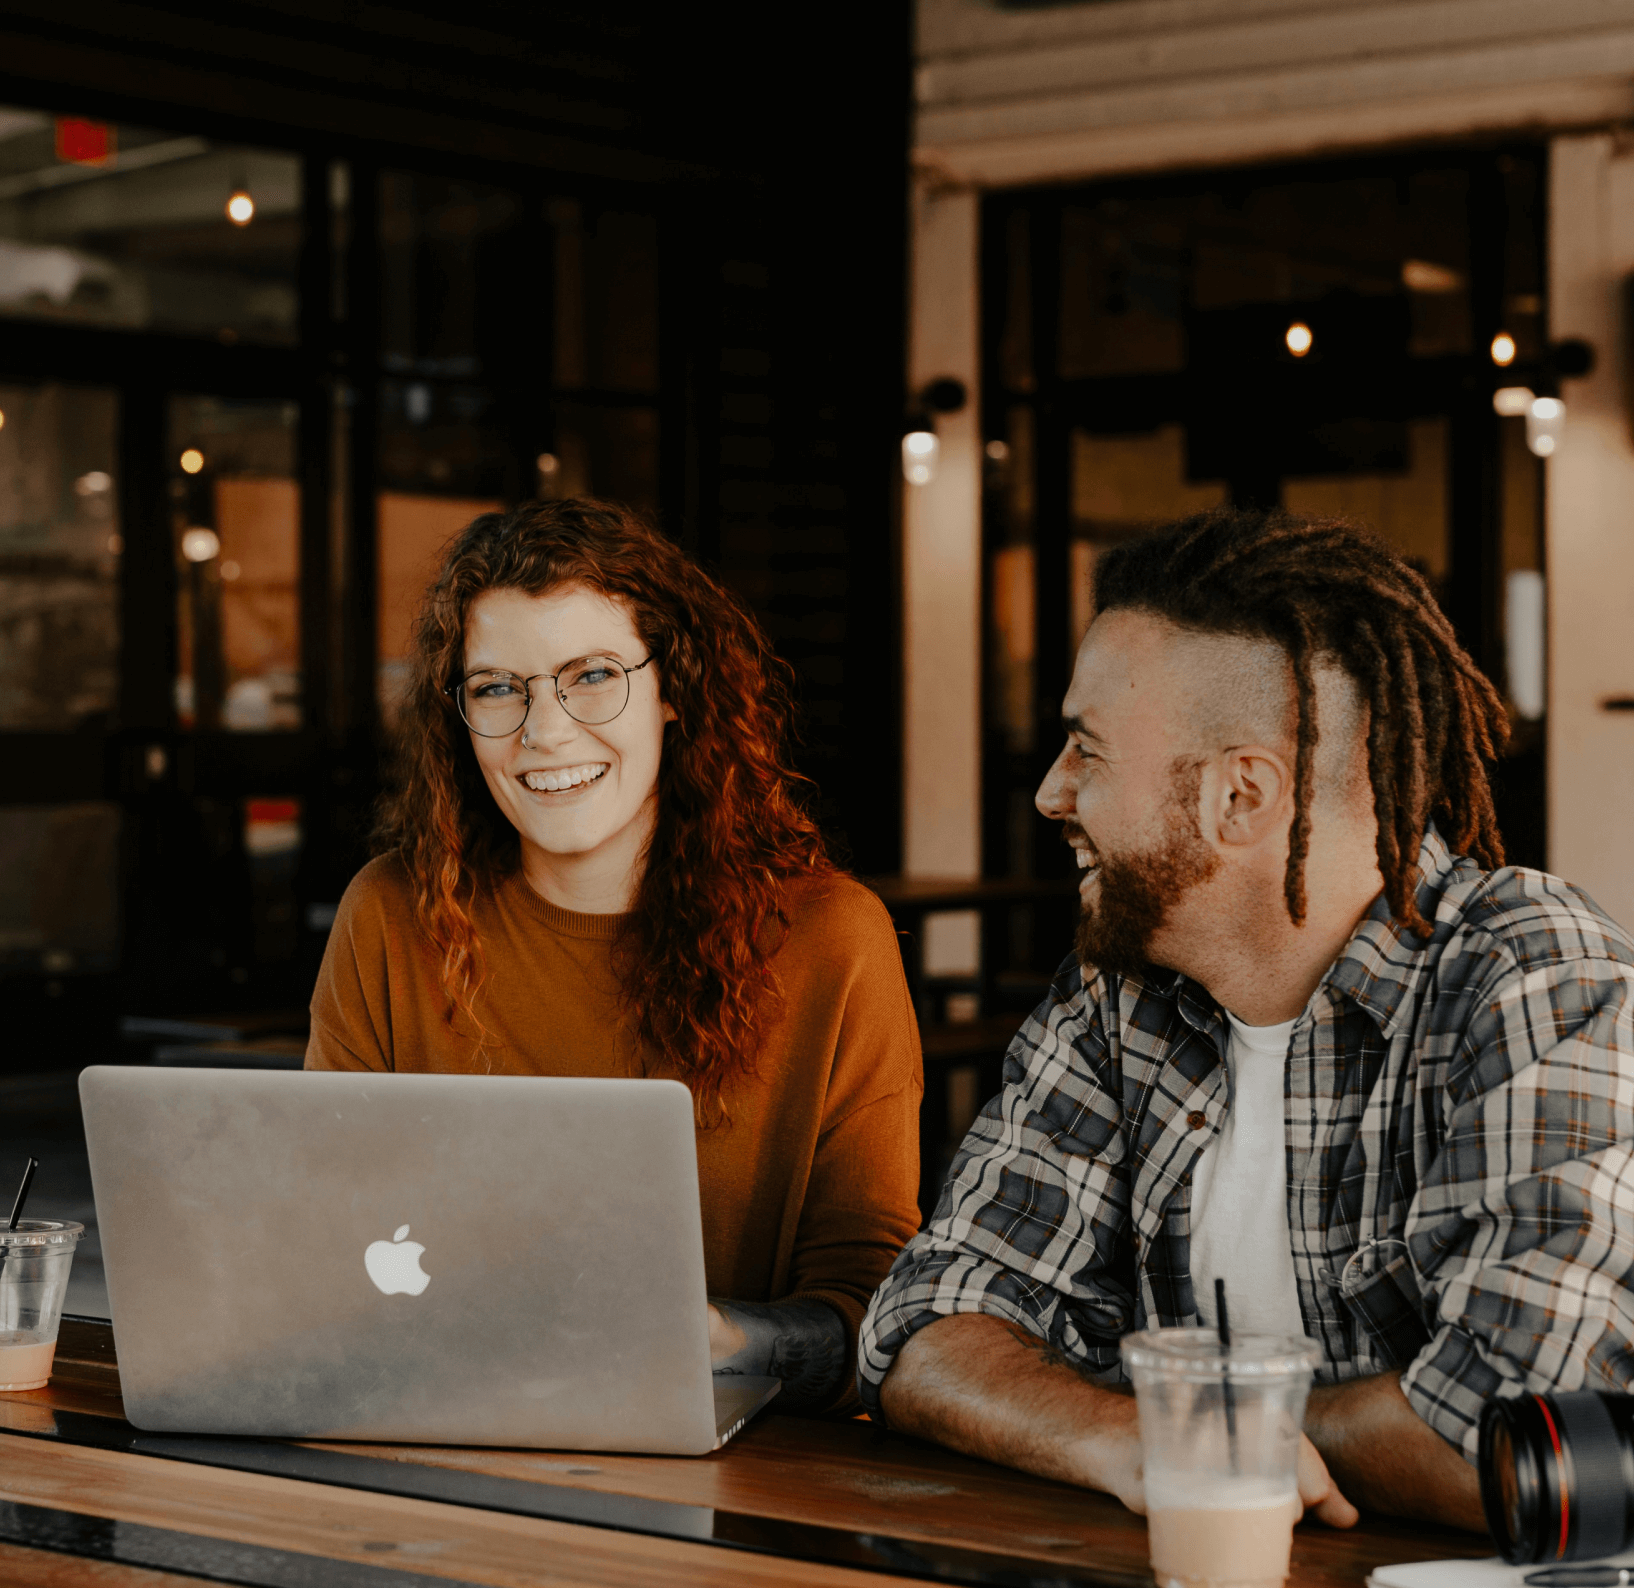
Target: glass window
(109,224)
(604,451)
(1121,487)
(272,847)
(451,329)
(59,895)
(1408,507)
(606,351)
(606,299)
(59,558)
(413,531)
(235,516)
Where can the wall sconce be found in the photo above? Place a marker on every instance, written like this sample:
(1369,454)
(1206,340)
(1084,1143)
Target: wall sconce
(921,450)
(1545,420)
(1545,416)
(1543,411)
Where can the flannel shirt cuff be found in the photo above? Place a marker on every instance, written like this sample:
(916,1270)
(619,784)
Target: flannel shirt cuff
(1448,1384)
(923,1289)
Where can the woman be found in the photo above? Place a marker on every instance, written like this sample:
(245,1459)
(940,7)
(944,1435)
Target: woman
(596,865)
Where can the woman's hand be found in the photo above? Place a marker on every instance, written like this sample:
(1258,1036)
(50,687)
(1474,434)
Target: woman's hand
(726,1339)
(803,1343)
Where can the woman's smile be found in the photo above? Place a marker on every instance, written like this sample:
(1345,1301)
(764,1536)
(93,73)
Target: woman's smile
(563,779)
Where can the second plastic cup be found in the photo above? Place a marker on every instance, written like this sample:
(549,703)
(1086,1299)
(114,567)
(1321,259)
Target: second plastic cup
(34,1262)
(1219,1433)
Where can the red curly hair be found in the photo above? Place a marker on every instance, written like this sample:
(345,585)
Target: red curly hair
(710,910)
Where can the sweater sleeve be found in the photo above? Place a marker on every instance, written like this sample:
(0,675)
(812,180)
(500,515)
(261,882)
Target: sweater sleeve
(351,1004)
(862,1199)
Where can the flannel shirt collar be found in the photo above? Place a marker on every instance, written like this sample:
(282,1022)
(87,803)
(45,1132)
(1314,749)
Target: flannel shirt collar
(1382,965)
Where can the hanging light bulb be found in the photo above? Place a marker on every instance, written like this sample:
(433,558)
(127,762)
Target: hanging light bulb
(1299,338)
(240,207)
(200,544)
(1503,350)
(920,452)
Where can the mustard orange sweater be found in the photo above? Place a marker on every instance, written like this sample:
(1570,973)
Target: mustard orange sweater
(808,1191)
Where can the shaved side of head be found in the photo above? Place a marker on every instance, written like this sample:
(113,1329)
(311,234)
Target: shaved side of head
(1233,690)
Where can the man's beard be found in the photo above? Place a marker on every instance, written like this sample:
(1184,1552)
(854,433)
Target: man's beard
(1137,891)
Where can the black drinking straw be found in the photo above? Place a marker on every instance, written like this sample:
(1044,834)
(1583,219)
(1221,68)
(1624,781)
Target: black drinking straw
(22,1192)
(1222,1324)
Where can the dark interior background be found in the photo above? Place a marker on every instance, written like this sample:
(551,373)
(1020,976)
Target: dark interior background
(771,161)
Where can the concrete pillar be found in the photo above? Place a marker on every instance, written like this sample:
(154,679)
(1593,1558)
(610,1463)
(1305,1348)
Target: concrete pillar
(942,574)
(1590,541)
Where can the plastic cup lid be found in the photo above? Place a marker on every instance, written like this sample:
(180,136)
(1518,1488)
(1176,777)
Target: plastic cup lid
(1197,1353)
(40,1232)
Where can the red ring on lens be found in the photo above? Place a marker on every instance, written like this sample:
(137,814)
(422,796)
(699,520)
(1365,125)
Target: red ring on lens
(1560,1470)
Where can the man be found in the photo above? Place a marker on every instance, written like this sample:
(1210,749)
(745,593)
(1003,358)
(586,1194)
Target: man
(1291,895)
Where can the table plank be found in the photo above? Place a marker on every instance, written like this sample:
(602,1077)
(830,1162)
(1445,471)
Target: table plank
(382,1530)
(44,1568)
(851,1475)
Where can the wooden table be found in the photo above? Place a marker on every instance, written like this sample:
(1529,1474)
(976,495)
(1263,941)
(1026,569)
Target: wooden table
(86,1499)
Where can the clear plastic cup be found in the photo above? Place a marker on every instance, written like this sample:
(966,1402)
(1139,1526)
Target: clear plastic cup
(1219,1433)
(34,1262)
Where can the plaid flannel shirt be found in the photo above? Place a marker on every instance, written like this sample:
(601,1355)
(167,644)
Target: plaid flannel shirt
(1458,1119)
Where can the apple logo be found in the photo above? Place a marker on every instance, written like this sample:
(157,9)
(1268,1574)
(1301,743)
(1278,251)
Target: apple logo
(394,1265)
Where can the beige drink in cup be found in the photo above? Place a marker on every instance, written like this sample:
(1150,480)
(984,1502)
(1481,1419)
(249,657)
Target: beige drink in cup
(1219,1433)
(34,1262)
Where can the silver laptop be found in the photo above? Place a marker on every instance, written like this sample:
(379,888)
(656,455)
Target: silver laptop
(474,1260)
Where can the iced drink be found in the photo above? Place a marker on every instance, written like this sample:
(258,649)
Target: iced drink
(25,1364)
(34,1262)
(1220,1439)
(1220,1533)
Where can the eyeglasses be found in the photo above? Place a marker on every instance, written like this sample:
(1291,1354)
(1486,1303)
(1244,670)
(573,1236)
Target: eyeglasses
(593,690)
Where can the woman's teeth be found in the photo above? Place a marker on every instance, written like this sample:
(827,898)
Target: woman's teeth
(565,777)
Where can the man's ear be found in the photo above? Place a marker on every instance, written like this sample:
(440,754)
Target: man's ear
(1252,795)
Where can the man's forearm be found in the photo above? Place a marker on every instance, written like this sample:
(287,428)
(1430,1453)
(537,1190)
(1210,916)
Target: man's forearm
(1387,1458)
(802,1343)
(990,1389)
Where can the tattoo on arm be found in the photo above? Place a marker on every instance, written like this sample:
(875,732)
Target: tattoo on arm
(801,1342)
(1052,1355)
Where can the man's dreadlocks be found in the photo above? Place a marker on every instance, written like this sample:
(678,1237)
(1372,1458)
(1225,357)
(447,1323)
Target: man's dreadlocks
(1327,591)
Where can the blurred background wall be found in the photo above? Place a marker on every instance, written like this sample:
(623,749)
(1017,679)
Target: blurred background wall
(1298,251)
(289,293)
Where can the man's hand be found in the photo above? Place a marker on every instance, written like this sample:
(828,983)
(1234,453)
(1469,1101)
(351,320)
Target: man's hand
(1318,1493)
(1386,1455)
(990,1389)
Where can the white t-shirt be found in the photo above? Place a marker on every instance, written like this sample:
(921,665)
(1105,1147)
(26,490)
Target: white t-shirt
(1239,1193)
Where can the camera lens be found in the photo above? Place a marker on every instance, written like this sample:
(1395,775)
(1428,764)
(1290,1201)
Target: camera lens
(1557,1475)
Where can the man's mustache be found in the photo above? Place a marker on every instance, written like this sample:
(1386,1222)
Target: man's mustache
(1073,834)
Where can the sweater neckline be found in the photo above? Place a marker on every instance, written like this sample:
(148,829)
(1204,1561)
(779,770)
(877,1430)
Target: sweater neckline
(569,923)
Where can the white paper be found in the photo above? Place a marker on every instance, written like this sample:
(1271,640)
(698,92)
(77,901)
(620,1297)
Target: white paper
(1490,1573)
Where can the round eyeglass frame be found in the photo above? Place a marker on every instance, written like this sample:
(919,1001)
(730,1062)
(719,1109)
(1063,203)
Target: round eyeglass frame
(456,692)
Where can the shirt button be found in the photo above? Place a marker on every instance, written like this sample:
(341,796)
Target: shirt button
(1197,1119)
